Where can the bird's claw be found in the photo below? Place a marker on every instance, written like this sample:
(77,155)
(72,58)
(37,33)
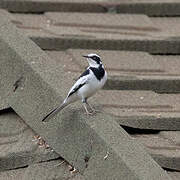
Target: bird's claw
(90,113)
(96,111)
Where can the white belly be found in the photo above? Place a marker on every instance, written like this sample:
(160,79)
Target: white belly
(92,87)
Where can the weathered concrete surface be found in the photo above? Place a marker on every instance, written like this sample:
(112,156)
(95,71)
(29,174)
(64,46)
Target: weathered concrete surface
(3,97)
(163,148)
(141,109)
(101,20)
(174,175)
(55,169)
(39,85)
(128,70)
(149,7)
(51,170)
(173,136)
(3,103)
(39,6)
(47,170)
(18,147)
(16,174)
(166,23)
(128,32)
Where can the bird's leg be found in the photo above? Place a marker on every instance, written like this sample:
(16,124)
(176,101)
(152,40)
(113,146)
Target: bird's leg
(92,109)
(85,107)
(84,101)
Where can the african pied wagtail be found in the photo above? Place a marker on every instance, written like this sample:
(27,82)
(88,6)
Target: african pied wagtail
(91,80)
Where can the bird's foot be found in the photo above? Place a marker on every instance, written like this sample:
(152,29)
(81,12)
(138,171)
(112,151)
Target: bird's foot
(89,109)
(89,113)
(95,111)
(92,112)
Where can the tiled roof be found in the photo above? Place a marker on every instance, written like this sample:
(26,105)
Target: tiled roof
(140,47)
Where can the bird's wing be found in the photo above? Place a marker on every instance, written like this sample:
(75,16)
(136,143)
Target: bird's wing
(83,79)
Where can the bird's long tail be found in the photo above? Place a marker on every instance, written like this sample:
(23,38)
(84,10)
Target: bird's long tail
(54,112)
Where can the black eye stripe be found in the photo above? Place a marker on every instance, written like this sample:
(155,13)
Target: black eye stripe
(97,59)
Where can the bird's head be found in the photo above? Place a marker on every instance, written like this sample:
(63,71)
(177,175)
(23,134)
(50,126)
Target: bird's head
(94,60)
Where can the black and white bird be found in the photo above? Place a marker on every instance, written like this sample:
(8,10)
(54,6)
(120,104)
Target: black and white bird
(91,80)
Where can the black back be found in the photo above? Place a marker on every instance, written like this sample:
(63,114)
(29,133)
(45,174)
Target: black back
(98,72)
(86,72)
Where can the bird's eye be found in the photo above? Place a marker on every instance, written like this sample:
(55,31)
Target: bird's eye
(94,57)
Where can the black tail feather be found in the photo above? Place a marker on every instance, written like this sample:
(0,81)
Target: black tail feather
(49,114)
(54,112)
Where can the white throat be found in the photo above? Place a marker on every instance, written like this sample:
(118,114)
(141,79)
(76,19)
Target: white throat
(92,63)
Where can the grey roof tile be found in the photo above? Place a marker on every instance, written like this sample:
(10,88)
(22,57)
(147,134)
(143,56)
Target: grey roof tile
(18,146)
(71,134)
(128,70)
(134,70)
(141,109)
(174,175)
(51,170)
(3,103)
(130,32)
(16,174)
(149,7)
(162,149)
(40,6)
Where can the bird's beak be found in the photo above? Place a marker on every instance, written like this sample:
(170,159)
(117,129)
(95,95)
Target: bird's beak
(85,56)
